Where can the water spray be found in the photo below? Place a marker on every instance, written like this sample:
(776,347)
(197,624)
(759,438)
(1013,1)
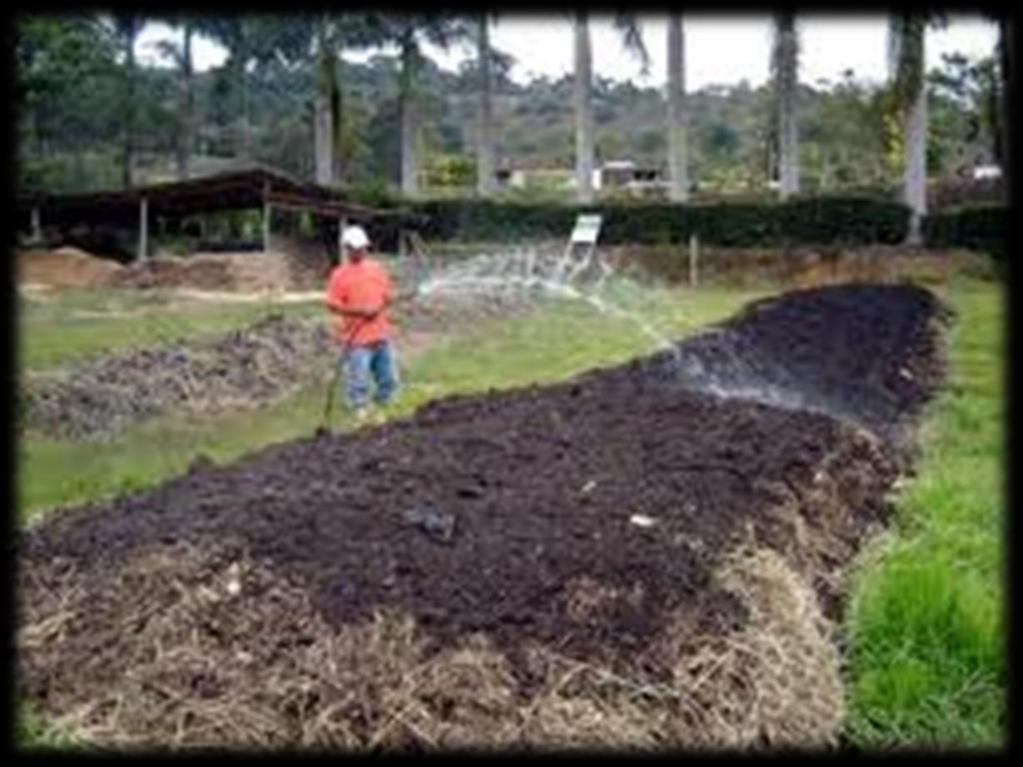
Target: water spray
(525,271)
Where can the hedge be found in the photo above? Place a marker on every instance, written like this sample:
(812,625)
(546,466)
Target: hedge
(800,221)
(978,227)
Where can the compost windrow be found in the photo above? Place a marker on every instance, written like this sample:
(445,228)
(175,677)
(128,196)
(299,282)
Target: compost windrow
(484,513)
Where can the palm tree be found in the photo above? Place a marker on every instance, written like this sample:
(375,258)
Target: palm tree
(128,26)
(785,64)
(485,149)
(406,30)
(906,62)
(677,166)
(583,103)
(628,26)
(1006,57)
(234,33)
(326,103)
(182,56)
(329,35)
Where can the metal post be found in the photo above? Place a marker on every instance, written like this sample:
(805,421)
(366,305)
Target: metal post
(266,226)
(402,245)
(694,257)
(143,229)
(342,224)
(37,229)
(266,217)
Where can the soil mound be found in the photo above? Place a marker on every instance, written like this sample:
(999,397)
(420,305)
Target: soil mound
(166,272)
(836,350)
(228,271)
(622,560)
(65,267)
(244,368)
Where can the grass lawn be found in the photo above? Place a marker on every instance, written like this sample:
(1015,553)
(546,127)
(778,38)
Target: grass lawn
(84,322)
(927,619)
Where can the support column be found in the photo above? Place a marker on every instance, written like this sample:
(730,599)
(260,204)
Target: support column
(37,229)
(266,217)
(342,224)
(143,251)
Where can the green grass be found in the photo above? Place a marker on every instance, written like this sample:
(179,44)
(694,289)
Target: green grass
(927,620)
(86,322)
(552,344)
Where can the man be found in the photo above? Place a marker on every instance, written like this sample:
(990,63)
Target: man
(358,294)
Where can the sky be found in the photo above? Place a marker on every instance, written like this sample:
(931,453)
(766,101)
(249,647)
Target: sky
(719,51)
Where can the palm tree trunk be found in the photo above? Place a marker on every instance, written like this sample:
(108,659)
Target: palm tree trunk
(583,111)
(787,82)
(188,101)
(677,166)
(914,188)
(241,86)
(322,117)
(406,108)
(127,175)
(485,181)
(1007,62)
(336,120)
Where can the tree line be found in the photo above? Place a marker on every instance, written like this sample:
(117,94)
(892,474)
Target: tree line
(80,87)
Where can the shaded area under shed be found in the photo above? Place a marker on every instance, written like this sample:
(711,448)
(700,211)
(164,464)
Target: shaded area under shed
(256,187)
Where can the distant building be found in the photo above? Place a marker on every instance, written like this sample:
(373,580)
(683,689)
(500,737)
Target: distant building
(623,175)
(986,171)
(522,173)
(626,174)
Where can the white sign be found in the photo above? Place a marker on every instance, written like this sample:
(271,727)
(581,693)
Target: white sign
(587,229)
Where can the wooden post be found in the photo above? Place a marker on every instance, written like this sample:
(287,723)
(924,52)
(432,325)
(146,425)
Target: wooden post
(694,257)
(143,229)
(37,228)
(266,217)
(266,226)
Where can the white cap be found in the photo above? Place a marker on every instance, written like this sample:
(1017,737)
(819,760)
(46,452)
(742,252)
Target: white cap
(355,237)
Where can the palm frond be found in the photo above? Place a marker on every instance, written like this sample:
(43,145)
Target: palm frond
(629,27)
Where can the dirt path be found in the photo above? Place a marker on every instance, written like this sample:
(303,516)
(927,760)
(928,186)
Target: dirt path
(589,518)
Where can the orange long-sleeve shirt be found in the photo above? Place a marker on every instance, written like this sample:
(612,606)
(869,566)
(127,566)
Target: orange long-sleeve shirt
(362,285)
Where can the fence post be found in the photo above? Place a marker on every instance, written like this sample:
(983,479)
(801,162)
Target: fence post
(342,224)
(266,217)
(37,228)
(143,229)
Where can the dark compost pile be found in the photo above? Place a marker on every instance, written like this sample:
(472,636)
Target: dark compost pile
(589,520)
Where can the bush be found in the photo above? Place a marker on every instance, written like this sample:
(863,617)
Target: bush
(979,227)
(800,221)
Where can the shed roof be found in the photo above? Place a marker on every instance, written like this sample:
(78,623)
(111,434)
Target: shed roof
(229,190)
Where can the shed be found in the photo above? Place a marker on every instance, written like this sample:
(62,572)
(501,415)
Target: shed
(254,187)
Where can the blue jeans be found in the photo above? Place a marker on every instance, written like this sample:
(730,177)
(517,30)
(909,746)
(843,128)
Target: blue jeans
(362,362)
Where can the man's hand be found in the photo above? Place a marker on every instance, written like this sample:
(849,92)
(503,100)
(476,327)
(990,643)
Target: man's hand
(363,313)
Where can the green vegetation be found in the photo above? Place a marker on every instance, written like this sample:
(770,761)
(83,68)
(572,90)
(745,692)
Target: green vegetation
(560,340)
(927,621)
(810,220)
(258,105)
(84,322)
(976,227)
